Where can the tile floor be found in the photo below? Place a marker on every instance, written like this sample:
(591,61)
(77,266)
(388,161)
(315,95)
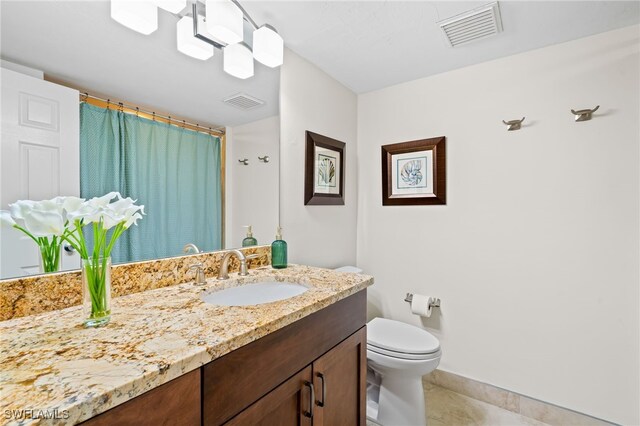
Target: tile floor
(448,408)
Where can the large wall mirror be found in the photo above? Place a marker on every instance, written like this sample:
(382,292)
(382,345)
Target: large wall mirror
(90,106)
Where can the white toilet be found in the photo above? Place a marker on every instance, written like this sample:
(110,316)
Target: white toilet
(398,355)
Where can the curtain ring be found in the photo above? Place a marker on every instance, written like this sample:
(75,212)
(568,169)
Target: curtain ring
(137,111)
(108,103)
(120,107)
(183,124)
(85,96)
(154,116)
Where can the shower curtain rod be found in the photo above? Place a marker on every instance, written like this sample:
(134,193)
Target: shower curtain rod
(130,109)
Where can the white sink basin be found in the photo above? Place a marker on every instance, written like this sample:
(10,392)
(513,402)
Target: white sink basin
(254,294)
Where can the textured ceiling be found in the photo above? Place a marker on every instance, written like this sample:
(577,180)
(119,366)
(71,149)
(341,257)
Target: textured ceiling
(368,45)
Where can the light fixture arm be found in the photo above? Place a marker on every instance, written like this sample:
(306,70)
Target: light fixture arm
(196,34)
(245,15)
(216,44)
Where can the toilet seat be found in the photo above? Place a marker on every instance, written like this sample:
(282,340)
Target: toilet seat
(402,355)
(400,340)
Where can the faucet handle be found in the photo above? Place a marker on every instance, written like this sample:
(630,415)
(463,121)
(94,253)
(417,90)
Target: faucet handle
(200,277)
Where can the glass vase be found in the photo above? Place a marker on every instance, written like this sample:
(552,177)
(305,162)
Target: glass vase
(49,259)
(96,291)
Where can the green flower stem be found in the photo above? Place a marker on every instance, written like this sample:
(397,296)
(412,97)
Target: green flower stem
(96,281)
(95,262)
(49,249)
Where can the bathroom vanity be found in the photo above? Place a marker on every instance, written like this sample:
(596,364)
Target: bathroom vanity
(167,357)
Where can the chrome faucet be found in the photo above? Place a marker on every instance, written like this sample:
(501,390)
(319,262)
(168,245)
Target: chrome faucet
(201,279)
(223,274)
(191,248)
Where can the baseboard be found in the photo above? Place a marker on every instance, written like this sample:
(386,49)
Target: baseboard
(512,401)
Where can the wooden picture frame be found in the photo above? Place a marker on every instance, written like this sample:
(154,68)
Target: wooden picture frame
(414,173)
(324,170)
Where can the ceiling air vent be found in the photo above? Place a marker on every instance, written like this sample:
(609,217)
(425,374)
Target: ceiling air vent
(472,25)
(243,101)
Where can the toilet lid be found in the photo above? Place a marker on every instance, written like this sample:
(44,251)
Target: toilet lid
(400,337)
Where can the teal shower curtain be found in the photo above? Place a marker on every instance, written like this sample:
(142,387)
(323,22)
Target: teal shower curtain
(174,172)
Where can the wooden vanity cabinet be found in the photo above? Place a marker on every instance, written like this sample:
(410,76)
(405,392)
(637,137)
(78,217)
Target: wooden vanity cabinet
(310,373)
(336,398)
(174,403)
(340,381)
(265,382)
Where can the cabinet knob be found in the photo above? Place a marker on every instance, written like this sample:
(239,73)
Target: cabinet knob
(324,390)
(312,397)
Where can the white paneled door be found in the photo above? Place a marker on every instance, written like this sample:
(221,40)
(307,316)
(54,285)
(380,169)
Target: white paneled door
(39,159)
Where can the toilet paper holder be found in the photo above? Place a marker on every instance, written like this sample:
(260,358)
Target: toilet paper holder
(434,304)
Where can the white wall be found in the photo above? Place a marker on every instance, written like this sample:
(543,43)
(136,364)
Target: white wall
(311,100)
(535,256)
(252,191)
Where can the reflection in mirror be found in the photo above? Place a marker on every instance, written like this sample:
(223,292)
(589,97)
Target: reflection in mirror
(90,107)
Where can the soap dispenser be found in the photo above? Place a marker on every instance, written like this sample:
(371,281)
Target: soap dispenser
(249,240)
(279,251)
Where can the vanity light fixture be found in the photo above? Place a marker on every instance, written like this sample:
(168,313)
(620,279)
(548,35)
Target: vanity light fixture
(188,44)
(225,21)
(172,6)
(238,61)
(140,16)
(268,46)
(221,26)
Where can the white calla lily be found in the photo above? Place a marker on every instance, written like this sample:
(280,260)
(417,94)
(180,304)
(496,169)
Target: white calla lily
(42,223)
(6,219)
(133,220)
(71,203)
(111,218)
(103,201)
(20,208)
(86,213)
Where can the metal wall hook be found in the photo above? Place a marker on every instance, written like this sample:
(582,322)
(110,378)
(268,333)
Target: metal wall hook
(264,159)
(244,161)
(584,114)
(514,124)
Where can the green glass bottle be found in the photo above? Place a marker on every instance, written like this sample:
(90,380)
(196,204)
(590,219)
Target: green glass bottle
(279,251)
(249,239)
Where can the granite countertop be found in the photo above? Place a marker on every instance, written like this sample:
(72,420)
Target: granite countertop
(51,364)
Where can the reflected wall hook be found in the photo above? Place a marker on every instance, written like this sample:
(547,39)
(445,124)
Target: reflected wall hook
(584,114)
(513,124)
(264,159)
(244,161)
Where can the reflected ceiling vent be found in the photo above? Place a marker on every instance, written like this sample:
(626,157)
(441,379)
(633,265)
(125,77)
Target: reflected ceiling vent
(243,101)
(473,25)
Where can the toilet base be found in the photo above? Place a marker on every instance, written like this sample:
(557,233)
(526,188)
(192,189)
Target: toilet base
(401,402)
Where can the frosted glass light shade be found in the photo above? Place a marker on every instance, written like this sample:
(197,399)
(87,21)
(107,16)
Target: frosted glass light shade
(173,6)
(224,21)
(190,45)
(238,60)
(268,46)
(140,16)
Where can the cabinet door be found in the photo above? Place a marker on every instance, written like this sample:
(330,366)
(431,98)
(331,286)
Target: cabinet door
(339,378)
(289,404)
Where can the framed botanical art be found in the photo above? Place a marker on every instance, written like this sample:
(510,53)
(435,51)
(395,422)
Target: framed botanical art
(414,173)
(324,170)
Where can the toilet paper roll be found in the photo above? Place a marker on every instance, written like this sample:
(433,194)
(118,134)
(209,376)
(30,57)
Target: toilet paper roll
(421,305)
